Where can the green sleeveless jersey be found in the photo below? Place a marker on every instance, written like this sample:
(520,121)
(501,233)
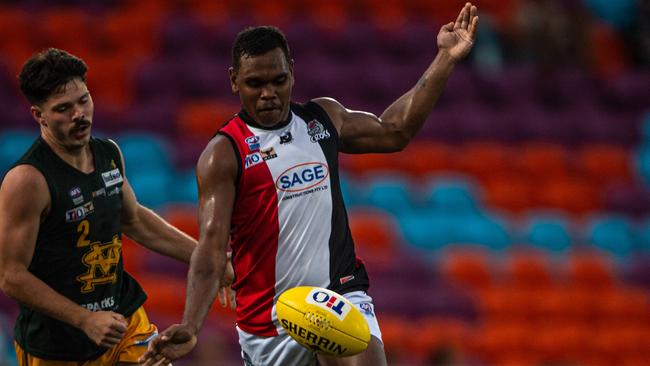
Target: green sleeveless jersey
(78,250)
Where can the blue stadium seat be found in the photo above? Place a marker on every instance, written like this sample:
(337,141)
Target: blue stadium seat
(482,230)
(550,232)
(352,195)
(643,236)
(389,193)
(144,152)
(185,188)
(152,189)
(643,163)
(13,144)
(612,233)
(452,195)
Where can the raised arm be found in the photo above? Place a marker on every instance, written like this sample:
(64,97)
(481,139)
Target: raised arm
(150,230)
(20,218)
(216,175)
(362,132)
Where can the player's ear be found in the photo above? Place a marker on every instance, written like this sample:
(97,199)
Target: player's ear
(37,114)
(233,79)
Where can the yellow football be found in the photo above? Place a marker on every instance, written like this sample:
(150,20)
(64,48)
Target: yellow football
(323,321)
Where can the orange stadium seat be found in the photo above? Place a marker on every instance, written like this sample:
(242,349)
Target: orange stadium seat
(202,118)
(211,12)
(484,160)
(590,271)
(359,164)
(387,15)
(605,163)
(184,217)
(528,270)
(423,157)
(374,233)
(276,12)
(17,41)
(574,194)
(69,29)
(109,80)
(467,268)
(133,256)
(166,294)
(116,32)
(542,160)
(512,192)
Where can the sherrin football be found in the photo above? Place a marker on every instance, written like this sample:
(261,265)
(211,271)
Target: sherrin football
(323,321)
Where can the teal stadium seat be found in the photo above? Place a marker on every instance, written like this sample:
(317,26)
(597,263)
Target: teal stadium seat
(153,189)
(13,144)
(184,187)
(643,163)
(453,195)
(643,237)
(390,194)
(613,234)
(144,153)
(550,232)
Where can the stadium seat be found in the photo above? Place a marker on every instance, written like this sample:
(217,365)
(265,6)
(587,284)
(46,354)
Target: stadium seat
(611,233)
(542,160)
(453,194)
(513,192)
(590,271)
(153,188)
(576,195)
(528,270)
(390,193)
(374,233)
(184,217)
(13,144)
(202,118)
(144,153)
(467,268)
(484,160)
(605,163)
(548,231)
(186,190)
(426,229)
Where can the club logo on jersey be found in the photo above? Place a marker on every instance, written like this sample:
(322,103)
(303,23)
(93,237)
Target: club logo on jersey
(80,212)
(317,132)
(331,303)
(253,143)
(268,154)
(77,197)
(286,138)
(102,261)
(112,177)
(302,177)
(366,309)
(252,159)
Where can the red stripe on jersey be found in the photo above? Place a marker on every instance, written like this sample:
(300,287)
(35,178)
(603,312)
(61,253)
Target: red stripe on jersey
(254,242)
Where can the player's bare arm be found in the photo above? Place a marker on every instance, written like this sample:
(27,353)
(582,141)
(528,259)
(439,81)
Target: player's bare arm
(150,230)
(20,217)
(216,175)
(362,132)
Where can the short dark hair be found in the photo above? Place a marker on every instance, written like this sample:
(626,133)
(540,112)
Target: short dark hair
(45,72)
(255,41)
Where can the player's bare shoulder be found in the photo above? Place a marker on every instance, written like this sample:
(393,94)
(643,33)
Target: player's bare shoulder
(24,188)
(217,158)
(334,109)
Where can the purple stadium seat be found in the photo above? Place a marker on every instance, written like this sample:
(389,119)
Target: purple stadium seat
(628,198)
(156,115)
(156,78)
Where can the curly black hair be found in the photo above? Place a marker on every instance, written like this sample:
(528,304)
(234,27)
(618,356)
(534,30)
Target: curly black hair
(255,41)
(45,72)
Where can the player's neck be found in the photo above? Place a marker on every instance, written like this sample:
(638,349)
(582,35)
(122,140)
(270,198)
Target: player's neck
(80,158)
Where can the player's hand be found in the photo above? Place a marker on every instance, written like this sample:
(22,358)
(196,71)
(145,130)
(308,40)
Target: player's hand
(457,38)
(226,294)
(172,344)
(105,328)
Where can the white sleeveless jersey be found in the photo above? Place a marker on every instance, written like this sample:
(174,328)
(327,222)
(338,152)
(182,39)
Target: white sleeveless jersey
(289,225)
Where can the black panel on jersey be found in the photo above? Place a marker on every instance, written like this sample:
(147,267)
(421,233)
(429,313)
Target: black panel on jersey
(345,263)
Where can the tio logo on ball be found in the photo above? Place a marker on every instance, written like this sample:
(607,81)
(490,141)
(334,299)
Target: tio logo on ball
(330,301)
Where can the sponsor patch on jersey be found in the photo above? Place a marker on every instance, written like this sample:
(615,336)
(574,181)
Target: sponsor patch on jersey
(302,177)
(346,279)
(112,177)
(252,159)
(114,191)
(316,131)
(99,192)
(268,154)
(80,212)
(253,143)
(286,138)
(332,303)
(77,197)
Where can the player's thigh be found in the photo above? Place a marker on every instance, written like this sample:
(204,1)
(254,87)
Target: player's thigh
(374,355)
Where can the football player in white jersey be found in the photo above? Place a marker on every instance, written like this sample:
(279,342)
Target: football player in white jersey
(263,78)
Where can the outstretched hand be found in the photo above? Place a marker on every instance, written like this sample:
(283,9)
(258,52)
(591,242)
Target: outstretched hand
(456,38)
(174,343)
(225,293)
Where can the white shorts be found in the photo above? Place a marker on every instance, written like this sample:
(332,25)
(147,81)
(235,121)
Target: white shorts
(283,350)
